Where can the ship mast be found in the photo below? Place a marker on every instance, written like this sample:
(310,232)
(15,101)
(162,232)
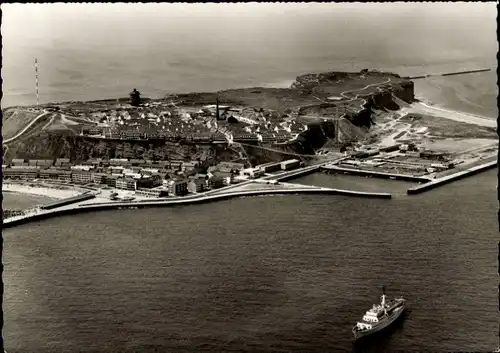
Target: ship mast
(383,296)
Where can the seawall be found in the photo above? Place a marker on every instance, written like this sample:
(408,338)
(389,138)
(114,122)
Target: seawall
(449,178)
(202,199)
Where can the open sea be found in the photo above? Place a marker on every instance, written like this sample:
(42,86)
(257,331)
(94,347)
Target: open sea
(259,274)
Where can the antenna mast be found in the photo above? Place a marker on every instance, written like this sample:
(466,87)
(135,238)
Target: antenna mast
(36,82)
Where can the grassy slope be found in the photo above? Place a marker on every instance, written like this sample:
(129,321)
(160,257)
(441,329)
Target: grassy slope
(14,120)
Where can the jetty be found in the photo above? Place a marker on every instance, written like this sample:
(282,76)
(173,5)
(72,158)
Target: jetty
(447,74)
(449,178)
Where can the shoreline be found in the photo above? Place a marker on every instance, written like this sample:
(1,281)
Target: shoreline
(90,204)
(435,110)
(89,207)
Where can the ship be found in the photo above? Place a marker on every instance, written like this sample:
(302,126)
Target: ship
(379,316)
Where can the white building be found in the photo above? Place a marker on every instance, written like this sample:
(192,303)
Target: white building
(290,164)
(252,172)
(82,167)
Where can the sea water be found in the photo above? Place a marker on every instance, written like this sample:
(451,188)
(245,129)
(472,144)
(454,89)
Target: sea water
(271,274)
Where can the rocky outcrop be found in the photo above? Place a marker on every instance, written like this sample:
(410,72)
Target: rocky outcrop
(321,133)
(405,90)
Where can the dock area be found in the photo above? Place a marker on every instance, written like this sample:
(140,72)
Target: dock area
(449,178)
(336,169)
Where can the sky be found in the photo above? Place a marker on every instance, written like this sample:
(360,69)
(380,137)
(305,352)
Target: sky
(100,44)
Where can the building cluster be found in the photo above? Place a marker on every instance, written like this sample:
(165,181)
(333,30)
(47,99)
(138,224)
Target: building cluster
(144,177)
(212,123)
(403,158)
(147,178)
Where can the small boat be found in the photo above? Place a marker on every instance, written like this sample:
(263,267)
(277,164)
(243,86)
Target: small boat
(379,316)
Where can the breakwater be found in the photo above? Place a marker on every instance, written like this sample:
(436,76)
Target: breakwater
(465,72)
(449,178)
(447,74)
(71,209)
(417,77)
(360,172)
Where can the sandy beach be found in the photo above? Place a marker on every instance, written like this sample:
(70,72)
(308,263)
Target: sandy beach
(41,190)
(424,108)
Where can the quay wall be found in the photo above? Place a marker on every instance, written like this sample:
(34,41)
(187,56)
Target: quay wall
(405,177)
(447,179)
(201,199)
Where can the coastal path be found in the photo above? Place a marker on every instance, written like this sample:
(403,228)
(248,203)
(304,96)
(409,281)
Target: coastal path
(26,128)
(343,94)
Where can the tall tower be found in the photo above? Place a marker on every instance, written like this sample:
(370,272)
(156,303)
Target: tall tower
(217,107)
(36,82)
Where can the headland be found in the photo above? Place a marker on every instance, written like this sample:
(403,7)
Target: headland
(196,147)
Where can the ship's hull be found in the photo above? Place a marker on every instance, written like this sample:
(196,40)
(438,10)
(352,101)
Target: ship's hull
(396,314)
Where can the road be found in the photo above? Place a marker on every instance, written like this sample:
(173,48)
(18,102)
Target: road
(343,94)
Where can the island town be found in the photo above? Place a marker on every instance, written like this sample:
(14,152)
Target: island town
(138,151)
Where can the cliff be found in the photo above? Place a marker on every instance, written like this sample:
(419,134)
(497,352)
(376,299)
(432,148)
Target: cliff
(355,115)
(324,134)
(79,148)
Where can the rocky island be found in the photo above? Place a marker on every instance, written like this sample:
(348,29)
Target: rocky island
(316,110)
(367,123)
